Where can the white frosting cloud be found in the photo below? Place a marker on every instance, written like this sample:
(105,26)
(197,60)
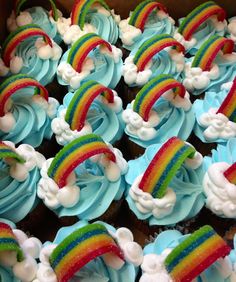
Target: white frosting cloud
(220,193)
(128,32)
(178,101)
(188,44)
(4,70)
(46,52)
(27,269)
(217,125)
(145,202)
(69,195)
(116,53)
(232,29)
(14,22)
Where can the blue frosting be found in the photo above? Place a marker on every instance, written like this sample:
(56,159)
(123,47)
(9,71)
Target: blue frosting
(104,121)
(32,121)
(17,198)
(211,100)
(171,239)
(153,26)
(106,26)
(232,255)
(167,128)
(187,185)
(96,192)
(106,71)
(97,270)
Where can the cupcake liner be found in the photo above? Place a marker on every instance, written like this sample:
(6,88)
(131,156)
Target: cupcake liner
(133,149)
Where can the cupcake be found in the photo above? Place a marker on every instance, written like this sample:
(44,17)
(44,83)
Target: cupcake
(151,60)
(86,111)
(161,109)
(149,18)
(165,184)
(199,25)
(84,180)
(213,65)
(219,181)
(87,17)
(200,256)
(105,254)
(19,176)
(37,57)
(86,61)
(47,20)
(25,117)
(215,115)
(18,255)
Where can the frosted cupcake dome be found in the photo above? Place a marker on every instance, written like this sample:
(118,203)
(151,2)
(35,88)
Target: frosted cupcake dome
(199,25)
(147,20)
(90,252)
(86,61)
(83,179)
(36,57)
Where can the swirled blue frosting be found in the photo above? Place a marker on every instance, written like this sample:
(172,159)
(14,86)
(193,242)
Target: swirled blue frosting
(173,122)
(154,26)
(96,192)
(171,239)
(203,33)
(187,185)
(96,270)
(106,71)
(17,198)
(42,70)
(106,27)
(211,100)
(33,124)
(103,120)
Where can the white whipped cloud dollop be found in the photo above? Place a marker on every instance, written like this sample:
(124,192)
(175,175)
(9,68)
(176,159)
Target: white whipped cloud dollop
(232,29)
(220,193)
(32,158)
(25,270)
(128,32)
(22,19)
(69,195)
(46,52)
(217,125)
(145,202)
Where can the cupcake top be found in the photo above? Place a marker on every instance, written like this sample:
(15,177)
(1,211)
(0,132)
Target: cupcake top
(151,59)
(26,116)
(19,176)
(89,16)
(213,65)
(219,181)
(86,61)
(165,184)
(35,15)
(199,25)
(149,18)
(83,179)
(216,115)
(86,111)
(200,256)
(35,57)
(161,109)
(18,254)
(105,254)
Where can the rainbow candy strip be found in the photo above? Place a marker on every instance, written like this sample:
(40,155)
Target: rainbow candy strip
(228,107)
(152,46)
(74,154)
(195,254)
(82,47)
(20,3)
(142,11)
(15,83)
(81,247)
(209,50)
(8,241)
(164,166)
(19,35)
(80,10)
(79,106)
(230,174)
(198,16)
(8,152)
(153,90)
